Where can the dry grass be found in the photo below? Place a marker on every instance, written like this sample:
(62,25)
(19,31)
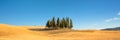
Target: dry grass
(8,32)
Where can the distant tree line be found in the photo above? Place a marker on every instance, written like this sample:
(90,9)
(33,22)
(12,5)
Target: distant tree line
(60,23)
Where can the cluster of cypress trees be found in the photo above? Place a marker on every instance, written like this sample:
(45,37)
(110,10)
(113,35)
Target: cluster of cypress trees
(59,23)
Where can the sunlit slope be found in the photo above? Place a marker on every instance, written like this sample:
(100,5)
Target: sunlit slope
(88,35)
(15,30)
(9,32)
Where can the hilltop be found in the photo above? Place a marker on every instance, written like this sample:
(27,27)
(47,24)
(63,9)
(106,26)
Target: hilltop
(116,28)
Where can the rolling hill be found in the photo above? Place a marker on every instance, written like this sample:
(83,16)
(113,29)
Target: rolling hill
(10,32)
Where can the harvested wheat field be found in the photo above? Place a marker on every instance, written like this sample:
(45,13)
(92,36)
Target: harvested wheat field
(9,32)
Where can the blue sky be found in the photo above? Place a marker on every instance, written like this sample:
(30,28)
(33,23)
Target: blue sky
(86,14)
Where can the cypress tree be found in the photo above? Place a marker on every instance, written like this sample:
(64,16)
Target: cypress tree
(63,23)
(48,24)
(67,22)
(58,23)
(53,22)
(71,24)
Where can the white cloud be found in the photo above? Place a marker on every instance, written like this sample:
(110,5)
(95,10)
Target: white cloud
(95,24)
(119,13)
(108,20)
(112,19)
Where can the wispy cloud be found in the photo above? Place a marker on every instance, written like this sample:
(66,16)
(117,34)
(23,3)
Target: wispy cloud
(119,13)
(95,24)
(112,19)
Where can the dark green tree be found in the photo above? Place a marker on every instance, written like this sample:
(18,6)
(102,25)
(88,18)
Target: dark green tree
(53,22)
(63,23)
(67,22)
(58,23)
(48,24)
(71,24)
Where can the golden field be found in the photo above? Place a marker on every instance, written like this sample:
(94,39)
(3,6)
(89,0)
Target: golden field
(10,32)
